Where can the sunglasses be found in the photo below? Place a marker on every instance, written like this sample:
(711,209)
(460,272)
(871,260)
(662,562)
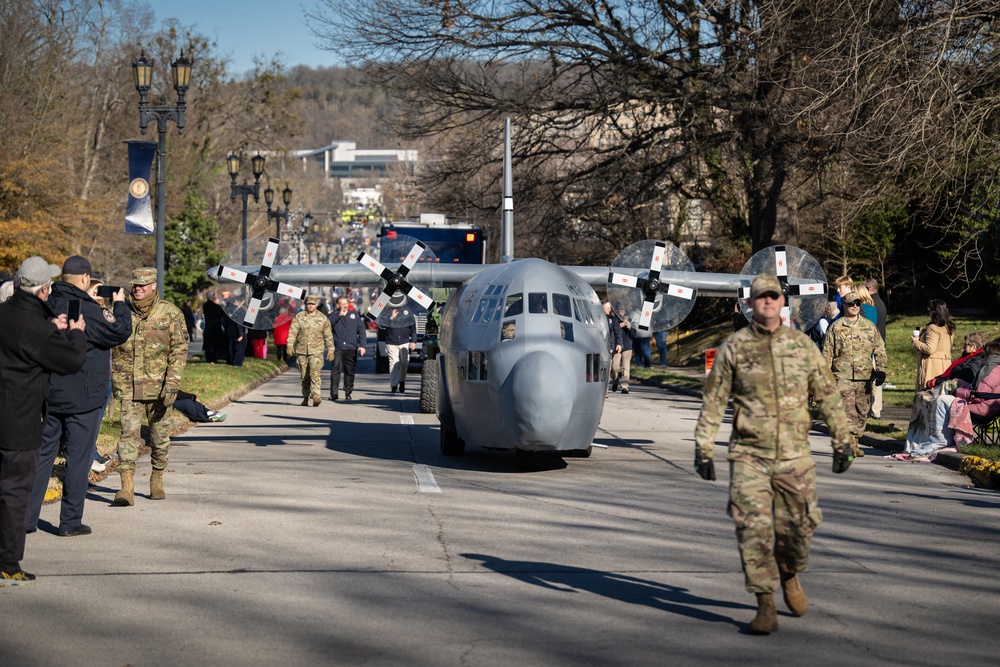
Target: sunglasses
(856,304)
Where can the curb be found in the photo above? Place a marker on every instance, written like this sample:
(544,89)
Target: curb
(982,473)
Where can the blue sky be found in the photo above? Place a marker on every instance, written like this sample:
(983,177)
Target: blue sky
(243,28)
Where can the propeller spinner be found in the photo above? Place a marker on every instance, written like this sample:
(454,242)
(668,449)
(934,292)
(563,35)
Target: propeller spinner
(261,292)
(660,305)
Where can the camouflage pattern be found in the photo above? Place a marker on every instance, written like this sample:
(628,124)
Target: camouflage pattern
(776,511)
(770,377)
(309,336)
(143,276)
(146,374)
(772,486)
(852,350)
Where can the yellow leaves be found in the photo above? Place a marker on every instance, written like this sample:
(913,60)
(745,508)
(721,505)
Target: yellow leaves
(983,473)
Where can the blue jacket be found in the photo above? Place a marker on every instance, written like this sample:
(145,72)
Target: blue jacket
(348,331)
(87,389)
(403,334)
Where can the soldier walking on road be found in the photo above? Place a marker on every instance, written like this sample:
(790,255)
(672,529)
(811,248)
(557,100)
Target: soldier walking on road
(308,337)
(770,371)
(855,353)
(146,374)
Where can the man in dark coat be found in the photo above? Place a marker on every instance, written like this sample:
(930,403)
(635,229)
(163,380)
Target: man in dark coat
(235,340)
(213,342)
(349,339)
(76,402)
(33,345)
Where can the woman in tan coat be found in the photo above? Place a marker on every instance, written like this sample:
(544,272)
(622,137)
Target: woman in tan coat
(934,343)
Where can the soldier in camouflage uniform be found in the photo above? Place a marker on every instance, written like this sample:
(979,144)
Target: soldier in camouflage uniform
(855,352)
(770,371)
(308,336)
(146,374)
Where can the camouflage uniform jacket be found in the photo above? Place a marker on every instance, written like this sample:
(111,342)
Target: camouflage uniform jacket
(770,376)
(149,364)
(309,334)
(849,346)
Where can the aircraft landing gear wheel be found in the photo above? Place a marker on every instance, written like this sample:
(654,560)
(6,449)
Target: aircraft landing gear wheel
(579,453)
(528,461)
(451,444)
(429,387)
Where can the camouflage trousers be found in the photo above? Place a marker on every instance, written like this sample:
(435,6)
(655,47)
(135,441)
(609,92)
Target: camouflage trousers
(776,512)
(310,367)
(131,440)
(857,398)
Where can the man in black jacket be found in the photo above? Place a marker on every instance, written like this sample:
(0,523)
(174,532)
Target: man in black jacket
(348,342)
(213,342)
(76,402)
(32,346)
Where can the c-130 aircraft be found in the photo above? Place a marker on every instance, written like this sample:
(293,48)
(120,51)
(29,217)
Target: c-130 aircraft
(524,360)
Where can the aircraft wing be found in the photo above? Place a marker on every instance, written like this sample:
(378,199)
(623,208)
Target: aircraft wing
(453,275)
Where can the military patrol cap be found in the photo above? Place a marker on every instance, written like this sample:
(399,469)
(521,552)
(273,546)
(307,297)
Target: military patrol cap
(850,298)
(313,298)
(143,276)
(764,284)
(35,271)
(76,265)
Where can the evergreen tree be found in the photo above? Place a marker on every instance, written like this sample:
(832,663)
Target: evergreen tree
(190,250)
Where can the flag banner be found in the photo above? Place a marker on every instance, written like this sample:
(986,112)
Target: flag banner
(139,210)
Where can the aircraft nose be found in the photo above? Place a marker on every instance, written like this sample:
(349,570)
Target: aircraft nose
(537,400)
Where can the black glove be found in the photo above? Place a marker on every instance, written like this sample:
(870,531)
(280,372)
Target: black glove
(878,377)
(842,459)
(705,468)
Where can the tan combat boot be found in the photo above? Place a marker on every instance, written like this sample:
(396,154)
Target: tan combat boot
(125,497)
(795,597)
(766,620)
(156,485)
(316,400)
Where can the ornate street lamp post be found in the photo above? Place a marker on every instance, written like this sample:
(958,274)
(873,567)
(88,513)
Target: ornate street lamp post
(245,190)
(142,72)
(278,216)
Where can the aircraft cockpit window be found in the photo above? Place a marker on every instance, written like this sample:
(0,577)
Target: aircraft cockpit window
(508,331)
(561,305)
(514,305)
(538,302)
(577,308)
(484,365)
(588,312)
(493,305)
(566,329)
(480,309)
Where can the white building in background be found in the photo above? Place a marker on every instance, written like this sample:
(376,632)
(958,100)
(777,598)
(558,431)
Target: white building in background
(343,159)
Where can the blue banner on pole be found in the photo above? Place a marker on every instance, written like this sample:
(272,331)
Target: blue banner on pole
(139,210)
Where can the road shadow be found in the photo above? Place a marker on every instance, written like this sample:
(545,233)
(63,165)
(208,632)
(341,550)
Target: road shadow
(624,588)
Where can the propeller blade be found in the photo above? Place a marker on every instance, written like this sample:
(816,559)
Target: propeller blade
(646,316)
(656,264)
(270,254)
(806,289)
(680,292)
(374,265)
(251,315)
(235,275)
(781,263)
(411,259)
(288,290)
(786,316)
(380,303)
(420,297)
(623,279)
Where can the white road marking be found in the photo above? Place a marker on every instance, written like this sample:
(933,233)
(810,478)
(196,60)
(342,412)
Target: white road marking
(406,419)
(425,479)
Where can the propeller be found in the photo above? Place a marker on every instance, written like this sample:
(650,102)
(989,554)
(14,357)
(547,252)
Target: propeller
(803,282)
(659,305)
(255,306)
(396,284)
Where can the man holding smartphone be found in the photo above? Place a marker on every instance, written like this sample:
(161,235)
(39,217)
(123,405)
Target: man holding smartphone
(76,402)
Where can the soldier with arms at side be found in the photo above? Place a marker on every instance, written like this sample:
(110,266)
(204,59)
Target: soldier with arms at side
(770,371)
(308,337)
(146,374)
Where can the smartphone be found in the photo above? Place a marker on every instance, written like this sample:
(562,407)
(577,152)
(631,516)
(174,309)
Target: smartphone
(107,291)
(74,310)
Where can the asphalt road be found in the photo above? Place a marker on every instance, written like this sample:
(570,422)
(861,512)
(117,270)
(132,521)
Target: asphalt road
(339,535)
